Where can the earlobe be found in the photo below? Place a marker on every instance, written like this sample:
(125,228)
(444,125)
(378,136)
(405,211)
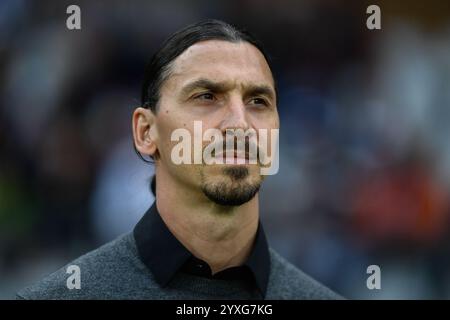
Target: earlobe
(144,131)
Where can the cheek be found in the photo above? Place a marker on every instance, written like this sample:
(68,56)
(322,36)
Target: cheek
(275,121)
(184,130)
(268,138)
(268,122)
(166,127)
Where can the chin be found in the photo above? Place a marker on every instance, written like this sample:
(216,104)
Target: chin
(234,186)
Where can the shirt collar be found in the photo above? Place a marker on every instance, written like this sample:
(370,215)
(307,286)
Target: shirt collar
(154,241)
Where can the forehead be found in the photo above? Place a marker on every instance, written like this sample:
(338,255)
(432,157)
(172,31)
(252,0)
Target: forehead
(240,63)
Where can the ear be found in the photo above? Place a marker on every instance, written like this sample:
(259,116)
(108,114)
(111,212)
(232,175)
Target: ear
(145,132)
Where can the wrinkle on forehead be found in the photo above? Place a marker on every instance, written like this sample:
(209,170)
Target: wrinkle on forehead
(240,63)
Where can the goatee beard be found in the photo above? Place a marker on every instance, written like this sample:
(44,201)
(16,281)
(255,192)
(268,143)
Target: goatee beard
(232,194)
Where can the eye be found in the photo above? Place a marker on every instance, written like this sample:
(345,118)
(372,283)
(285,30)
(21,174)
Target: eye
(258,101)
(205,96)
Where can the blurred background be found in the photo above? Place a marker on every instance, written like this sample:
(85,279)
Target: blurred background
(364,158)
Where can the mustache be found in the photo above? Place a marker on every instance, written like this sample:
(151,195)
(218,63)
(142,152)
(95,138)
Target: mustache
(247,148)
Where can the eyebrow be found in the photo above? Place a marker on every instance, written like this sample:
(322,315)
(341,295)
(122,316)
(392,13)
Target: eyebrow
(220,87)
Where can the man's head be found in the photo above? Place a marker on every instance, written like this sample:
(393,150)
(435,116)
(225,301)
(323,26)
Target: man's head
(213,73)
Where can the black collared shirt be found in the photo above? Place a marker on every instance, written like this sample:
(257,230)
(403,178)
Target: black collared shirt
(164,255)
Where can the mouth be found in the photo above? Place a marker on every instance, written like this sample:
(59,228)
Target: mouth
(234,157)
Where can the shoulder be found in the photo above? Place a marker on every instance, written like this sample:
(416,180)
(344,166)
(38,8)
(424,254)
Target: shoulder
(288,282)
(107,272)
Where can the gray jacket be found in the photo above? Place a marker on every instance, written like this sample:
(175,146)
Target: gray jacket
(115,271)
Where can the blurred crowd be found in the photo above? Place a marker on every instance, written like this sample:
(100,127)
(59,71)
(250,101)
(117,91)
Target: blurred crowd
(364,157)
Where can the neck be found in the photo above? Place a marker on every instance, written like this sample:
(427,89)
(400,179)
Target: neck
(222,236)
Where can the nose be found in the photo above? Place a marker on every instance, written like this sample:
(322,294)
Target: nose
(236,116)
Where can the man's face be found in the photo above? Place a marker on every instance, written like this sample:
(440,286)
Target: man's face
(226,86)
